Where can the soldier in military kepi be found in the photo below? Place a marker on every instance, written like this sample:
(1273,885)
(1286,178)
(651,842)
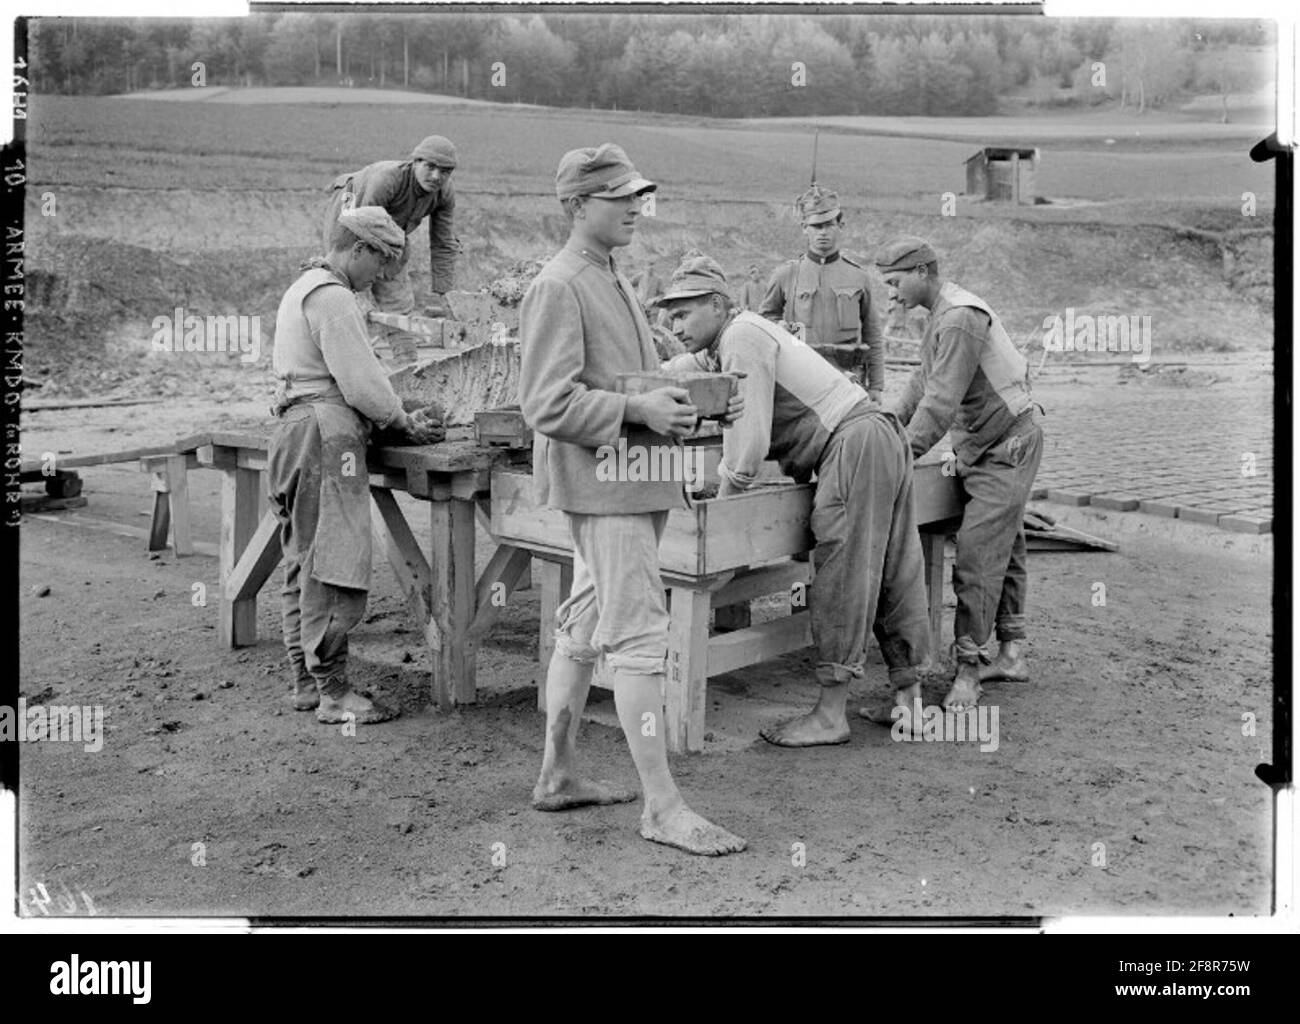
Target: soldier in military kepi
(828,293)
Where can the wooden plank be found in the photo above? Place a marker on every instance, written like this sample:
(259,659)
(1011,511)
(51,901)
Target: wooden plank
(556,582)
(257,562)
(29,503)
(936,495)
(177,474)
(410,568)
(763,642)
(687,669)
(240,514)
(160,521)
(757,526)
(103,459)
(932,544)
(452,564)
(728,618)
(48,405)
(506,566)
(768,579)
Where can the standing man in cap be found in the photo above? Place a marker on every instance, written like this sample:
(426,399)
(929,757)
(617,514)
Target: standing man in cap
(410,190)
(580,324)
(826,291)
(330,391)
(751,295)
(802,411)
(973,380)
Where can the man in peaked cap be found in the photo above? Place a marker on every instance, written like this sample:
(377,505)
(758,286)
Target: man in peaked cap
(331,391)
(803,412)
(410,190)
(580,324)
(973,380)
(828,292)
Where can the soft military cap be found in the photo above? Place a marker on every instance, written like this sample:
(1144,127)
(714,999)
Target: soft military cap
(903,253)
(696,275)
(817,205)
(603,171)
(436,149)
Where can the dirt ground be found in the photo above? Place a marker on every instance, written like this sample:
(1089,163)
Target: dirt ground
(1130,735)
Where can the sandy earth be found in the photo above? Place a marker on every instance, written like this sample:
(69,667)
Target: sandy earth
(1130,735)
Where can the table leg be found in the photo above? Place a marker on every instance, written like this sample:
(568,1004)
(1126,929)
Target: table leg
(451,562)
(932,545)
(557,581)
(688,665)
(239,516)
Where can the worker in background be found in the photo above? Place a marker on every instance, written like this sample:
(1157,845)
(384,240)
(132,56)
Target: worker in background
(827,292)
(973,380)
(330,392)
(411,191)
(751,294)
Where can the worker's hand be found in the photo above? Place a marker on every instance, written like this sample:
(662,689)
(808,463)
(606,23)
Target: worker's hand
(735,408)
(437,305)
(422,428)
(875,396)
(664,410)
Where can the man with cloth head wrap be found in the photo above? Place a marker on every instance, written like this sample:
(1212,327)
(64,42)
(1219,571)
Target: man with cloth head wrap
(410,190)
(973,380)
(330,391)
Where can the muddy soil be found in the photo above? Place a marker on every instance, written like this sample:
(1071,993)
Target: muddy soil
(1130,736)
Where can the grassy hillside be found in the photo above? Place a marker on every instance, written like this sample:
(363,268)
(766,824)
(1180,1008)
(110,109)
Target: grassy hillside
(211,206)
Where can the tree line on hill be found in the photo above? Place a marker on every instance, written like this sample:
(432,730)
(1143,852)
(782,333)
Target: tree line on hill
(717,65)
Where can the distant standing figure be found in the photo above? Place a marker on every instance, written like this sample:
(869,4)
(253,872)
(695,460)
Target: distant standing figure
(751,296)
(410,190)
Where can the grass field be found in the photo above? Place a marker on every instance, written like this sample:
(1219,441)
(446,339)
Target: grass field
(212,204)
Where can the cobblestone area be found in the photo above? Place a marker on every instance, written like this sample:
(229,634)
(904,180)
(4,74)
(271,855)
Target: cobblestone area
(1193,442)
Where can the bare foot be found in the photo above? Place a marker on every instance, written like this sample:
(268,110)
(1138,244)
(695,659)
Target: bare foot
(810,730)
(965,693)
(882,711)
(304,696)
(563,794)
(683,828)
(1011,669)
(352,707)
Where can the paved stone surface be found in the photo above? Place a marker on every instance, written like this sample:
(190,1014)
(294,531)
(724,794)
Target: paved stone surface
(1193,442)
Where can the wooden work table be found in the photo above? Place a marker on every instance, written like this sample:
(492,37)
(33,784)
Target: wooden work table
(717,556)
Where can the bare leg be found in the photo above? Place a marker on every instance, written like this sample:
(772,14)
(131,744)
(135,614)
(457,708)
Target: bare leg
(559,787)
(825,724)
(665,818)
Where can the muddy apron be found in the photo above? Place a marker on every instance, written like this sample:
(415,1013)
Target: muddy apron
(341,550)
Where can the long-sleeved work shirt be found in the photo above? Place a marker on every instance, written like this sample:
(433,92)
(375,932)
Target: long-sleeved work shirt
(392,185)
(322,349)
(580,325)
(794,399)
(831,297)
(972,379)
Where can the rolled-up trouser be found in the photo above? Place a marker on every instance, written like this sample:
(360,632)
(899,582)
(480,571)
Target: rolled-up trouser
(616,608)
(315,616)
(991,576)
(869,568)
